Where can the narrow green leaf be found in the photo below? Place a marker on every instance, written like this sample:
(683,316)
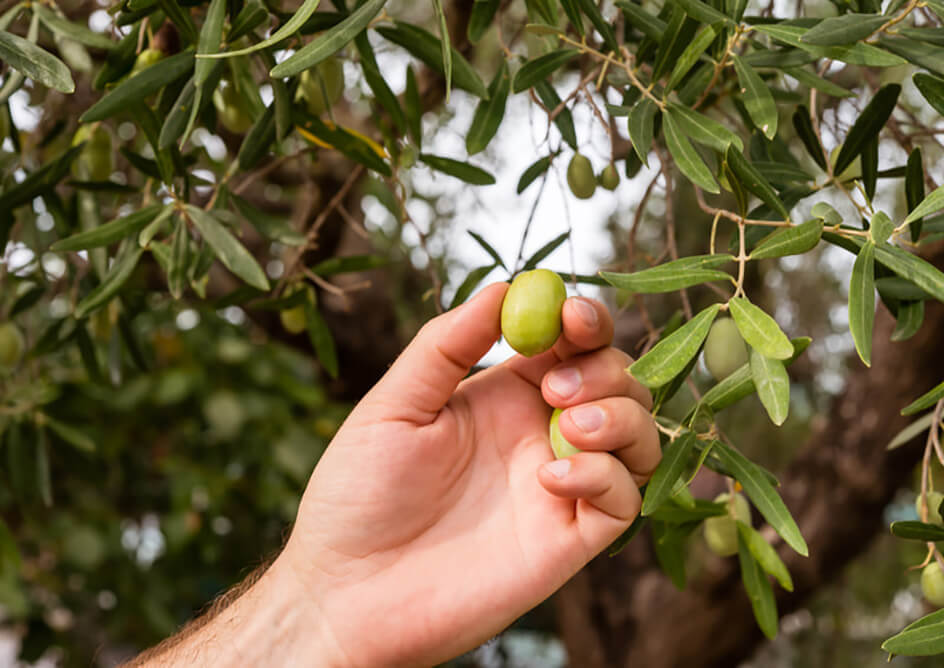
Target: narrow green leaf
(930,204)
(773,386)
(141,85)
(179,260)
(748,176)
(760,330)
(825,212)
(922,641)
(592,12)
(703,12)
(668,357)
(690,56)
(489,113)
(923,274)
(925,401)
(856,54)
(71,435)
(487,247)
(413,108)
(227,248)
(211,34)
(33,62)
(817,82)
(664,279)
(845,29)
(759,591)
(257,141)
(480,20)
(685,156)
(914,429)
(765,555)
(913,530)
(378,85)
(703,130)
(423,45)
(763,495)
(675,457)
(794,240)
(38,182)
(534,170)
(565,119)
(914,188)
(348,143)
(349,263)
(286,30)
(932,88)
(649,25)
(867,125)
(120,271)
(669,545)
(880,227)
(675,514)
(641,127)
(469,284)
(330,41)
(321,339)
(111,231)
(445,47)
(757,99)
(74,31)
(541,67)
(544,251)
(909,320)
(461,170)
(250,17)
(923,55)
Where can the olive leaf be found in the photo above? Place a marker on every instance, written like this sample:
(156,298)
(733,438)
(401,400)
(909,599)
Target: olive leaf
(675,457)
(489,113)
(33,62)
(759,591)
(110,232)
(229,251)
(867,125)
(668,357)
(765,555)
(772,384)
(685,156)
(794,240)
(925,401)
(759,330)
(757,98)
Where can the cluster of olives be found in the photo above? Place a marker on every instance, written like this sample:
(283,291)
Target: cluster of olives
(12,346)
(582,181)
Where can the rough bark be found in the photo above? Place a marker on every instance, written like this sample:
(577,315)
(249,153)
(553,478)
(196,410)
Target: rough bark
(622,611)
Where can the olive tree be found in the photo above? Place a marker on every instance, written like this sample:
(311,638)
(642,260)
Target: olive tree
(141,192)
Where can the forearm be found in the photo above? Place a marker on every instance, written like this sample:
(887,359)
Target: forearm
(266,620)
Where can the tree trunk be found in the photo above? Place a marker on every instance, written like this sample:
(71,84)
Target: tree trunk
(623,611)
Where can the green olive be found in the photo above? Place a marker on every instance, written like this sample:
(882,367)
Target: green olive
(145,59)
(531,312)
(934,504)
(11,345)
(294,320)
(580,177)
(560,445)
(725,350)
(609,177)
(94,163)
(330,74)
(229,109)
(932,584)
(721,533)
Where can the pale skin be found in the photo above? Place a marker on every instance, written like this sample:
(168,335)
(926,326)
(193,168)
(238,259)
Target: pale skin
(438,514)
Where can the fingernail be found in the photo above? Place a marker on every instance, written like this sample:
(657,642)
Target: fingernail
(586,312)
(587,418)
(558,468)
(564,382)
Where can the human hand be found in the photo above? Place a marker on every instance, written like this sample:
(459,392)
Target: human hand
(438,514)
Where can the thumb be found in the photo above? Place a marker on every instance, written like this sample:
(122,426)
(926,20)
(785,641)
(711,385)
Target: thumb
(427,372)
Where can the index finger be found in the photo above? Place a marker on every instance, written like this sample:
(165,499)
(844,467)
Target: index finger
(587,325)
